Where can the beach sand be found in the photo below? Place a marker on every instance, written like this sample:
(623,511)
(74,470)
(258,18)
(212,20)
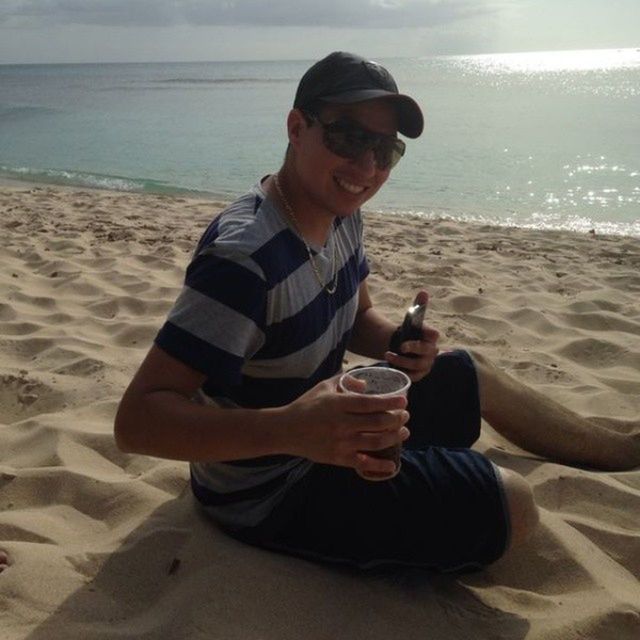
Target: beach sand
(105,545)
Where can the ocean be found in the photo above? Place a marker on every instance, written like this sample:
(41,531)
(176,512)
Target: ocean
(542,140)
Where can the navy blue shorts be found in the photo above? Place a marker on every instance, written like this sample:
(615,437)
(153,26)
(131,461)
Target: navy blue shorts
(445,510)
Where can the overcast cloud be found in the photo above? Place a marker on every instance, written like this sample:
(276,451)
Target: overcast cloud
(183,30)
(334,13)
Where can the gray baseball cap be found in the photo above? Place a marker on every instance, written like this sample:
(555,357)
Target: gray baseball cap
(346,78)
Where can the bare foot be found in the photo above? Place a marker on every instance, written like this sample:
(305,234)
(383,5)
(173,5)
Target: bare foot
(625,451)
(4,561)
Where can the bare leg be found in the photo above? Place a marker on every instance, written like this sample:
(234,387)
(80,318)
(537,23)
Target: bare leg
(544,427)
(523,512)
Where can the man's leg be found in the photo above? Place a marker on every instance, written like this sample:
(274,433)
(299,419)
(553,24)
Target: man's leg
(544,427)
(523,512)
(447,510)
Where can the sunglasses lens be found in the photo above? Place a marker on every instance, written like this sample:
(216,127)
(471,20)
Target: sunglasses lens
(388,153)
(351,142)
(342,141)
(397,152)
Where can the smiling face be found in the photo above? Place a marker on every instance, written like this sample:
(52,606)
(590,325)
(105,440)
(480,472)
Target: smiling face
(328,183)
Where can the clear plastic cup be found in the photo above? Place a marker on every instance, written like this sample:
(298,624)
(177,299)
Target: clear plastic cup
(384,382)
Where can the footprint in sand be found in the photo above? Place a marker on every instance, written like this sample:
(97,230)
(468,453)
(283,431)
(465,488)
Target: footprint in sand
(83,368)
(22,397)
(542,373)
(466,304)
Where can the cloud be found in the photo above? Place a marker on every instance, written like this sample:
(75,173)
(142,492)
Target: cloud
(311,13)
(24,13)
(333,13)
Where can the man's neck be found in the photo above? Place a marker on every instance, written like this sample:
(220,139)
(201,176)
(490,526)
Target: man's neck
(313,222)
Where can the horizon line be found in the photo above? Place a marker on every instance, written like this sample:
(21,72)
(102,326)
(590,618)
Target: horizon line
(254,60)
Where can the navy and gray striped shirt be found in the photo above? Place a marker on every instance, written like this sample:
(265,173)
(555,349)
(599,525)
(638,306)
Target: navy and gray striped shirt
(254,319)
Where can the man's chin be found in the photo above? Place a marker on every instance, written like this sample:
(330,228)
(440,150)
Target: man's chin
(349,205)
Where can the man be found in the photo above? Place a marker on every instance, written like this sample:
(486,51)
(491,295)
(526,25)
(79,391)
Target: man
(242,378)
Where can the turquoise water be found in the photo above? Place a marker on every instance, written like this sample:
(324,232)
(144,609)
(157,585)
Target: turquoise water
(540,139)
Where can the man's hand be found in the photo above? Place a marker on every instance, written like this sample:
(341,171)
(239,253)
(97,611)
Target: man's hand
(337,428)
(423,350)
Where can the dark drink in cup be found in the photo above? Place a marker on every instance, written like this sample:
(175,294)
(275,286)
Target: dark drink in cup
(378,381)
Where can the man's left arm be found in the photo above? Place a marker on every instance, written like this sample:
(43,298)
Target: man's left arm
(372,333)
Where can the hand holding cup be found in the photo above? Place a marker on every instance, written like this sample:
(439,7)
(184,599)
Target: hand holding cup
(383,382)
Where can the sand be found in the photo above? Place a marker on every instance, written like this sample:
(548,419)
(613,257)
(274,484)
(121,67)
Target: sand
(106,545)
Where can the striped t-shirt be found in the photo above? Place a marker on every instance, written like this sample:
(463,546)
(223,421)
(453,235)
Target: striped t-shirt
(254,319)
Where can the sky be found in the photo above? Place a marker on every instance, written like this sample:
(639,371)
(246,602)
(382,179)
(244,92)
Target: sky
(38,31)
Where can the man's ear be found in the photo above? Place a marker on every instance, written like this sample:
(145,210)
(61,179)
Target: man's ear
(296,124)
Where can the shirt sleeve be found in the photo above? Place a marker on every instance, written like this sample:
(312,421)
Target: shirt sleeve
(218,320)
(363,264)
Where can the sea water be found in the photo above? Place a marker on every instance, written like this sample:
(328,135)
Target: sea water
(545,140)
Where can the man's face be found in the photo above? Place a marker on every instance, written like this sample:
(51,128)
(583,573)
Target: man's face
(337,185)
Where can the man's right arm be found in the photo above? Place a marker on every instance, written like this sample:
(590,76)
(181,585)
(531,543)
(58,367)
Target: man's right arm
(158,417)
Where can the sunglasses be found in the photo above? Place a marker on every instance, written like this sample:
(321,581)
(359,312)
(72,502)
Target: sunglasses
(349,140)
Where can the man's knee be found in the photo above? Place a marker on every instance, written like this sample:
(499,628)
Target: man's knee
(523,511)
(487,375)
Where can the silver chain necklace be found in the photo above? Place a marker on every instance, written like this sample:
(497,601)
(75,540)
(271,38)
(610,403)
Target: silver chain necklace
(330,289)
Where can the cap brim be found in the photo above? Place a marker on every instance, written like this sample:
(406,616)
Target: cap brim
(410,118)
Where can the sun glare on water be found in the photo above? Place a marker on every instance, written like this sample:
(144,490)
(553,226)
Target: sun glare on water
(555,61)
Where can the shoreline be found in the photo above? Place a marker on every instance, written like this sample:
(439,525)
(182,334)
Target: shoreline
(219,200)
